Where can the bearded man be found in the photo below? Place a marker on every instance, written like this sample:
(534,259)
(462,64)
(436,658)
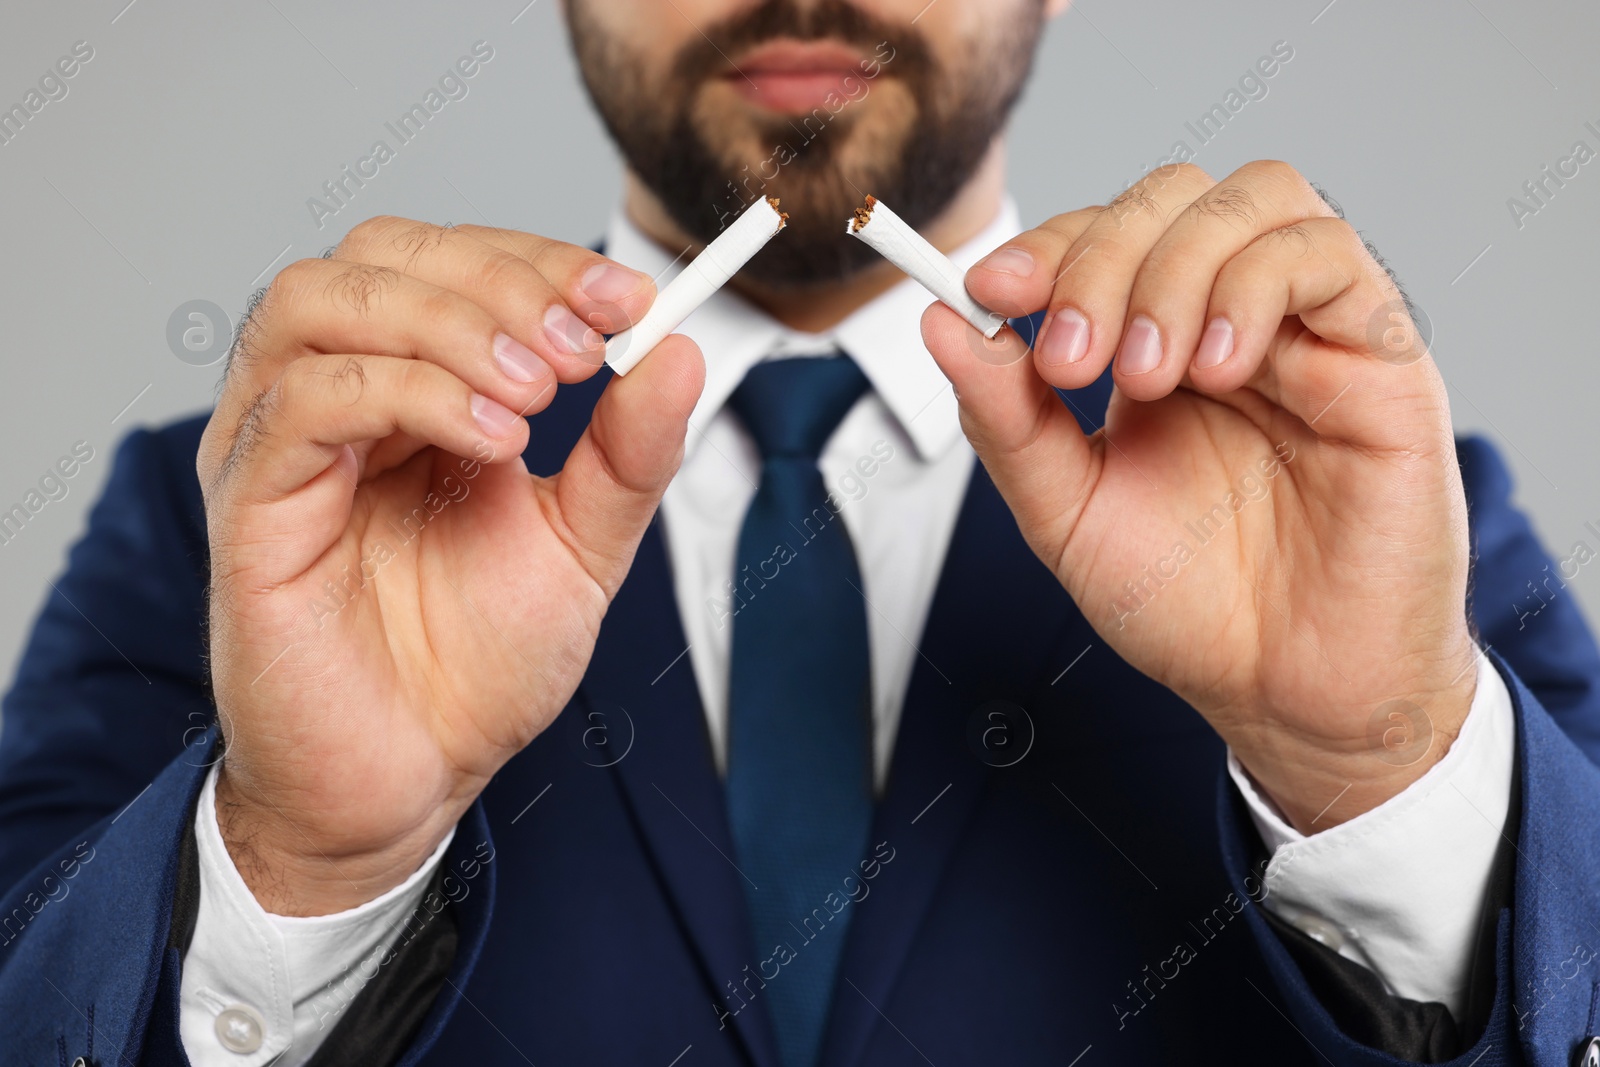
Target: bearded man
(838,687)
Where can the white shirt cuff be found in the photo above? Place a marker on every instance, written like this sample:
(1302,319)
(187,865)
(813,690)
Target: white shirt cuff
(1400,889)
(256,984)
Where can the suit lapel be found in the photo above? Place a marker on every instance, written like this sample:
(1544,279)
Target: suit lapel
(670,781)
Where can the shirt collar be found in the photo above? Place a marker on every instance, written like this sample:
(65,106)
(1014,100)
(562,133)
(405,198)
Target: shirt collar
(884,337)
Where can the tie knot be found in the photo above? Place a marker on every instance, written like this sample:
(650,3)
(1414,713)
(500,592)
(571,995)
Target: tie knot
(792,406)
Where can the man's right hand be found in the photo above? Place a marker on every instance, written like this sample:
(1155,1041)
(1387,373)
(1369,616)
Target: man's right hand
(397,607)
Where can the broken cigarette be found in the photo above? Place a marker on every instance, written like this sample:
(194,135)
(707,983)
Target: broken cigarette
(705,274)
(907,249)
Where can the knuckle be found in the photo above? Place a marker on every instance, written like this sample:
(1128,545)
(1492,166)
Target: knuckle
(552,256)
(1171,180)
(1231,202)
(417,239)
(1187,173)
(500,271)
(1328,237)
(1295,234)
(1136,199)
(1272,170)
(364,235)
(1338,236)
(1341,230)
(441,306)
(1279,177)
(360,286)
(348,378)
(293,278)
(514,242)
(1156,196)
(299,269)
(314,378)
(287,289)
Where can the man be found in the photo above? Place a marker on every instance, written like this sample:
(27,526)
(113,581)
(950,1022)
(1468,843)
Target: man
(823,767)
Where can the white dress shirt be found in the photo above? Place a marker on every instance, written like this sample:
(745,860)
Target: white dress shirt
(1398,889)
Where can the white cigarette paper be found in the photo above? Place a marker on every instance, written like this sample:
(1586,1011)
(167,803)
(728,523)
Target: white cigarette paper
(911,252)
(705,274)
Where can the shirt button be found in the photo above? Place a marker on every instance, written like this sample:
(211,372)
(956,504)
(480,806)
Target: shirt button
(1321,931)
(240,1029)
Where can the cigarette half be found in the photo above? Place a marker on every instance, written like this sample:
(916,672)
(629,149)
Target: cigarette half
(705,274)
(907,249)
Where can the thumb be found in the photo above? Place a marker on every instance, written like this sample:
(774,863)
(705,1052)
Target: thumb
(614,477)
(1028,440)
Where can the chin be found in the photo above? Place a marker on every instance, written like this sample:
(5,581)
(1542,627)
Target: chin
(818,163)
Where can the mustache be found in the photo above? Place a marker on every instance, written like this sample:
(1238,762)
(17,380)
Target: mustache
(709,53)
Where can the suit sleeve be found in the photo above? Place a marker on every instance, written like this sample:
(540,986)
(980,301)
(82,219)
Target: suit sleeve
(106,741)
(1536,975)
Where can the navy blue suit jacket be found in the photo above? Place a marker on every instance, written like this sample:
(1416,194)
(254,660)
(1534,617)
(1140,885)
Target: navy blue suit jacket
(1028,912)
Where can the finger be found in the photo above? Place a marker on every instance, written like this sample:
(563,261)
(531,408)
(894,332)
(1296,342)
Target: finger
(1166,309)
(1089,300)
(1017,278)
(603,293)
(293,431)
(533,286)
(1319,364)
(1284,272)
(1028,440)
(321,305)
(615,475)
(285,492)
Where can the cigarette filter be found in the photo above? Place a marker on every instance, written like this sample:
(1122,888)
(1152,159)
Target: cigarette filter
(705,274)
(907,249)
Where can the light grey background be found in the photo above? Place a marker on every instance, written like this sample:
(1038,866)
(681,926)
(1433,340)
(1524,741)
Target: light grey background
(179,164)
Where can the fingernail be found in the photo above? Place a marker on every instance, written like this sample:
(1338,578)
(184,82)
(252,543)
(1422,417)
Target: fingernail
(517,361)
(495,419)
(1010,261)
(1141,348)
(607,283)
(1067,339)
(1216,344)
(567,332)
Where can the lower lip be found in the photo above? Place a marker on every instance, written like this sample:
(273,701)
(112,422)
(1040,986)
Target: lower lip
(792,92)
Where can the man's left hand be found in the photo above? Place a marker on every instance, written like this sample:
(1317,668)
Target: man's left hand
(1271,522)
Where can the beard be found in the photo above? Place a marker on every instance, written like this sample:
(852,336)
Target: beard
(706,156)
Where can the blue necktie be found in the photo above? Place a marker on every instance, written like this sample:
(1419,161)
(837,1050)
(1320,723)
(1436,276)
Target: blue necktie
(799,722)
